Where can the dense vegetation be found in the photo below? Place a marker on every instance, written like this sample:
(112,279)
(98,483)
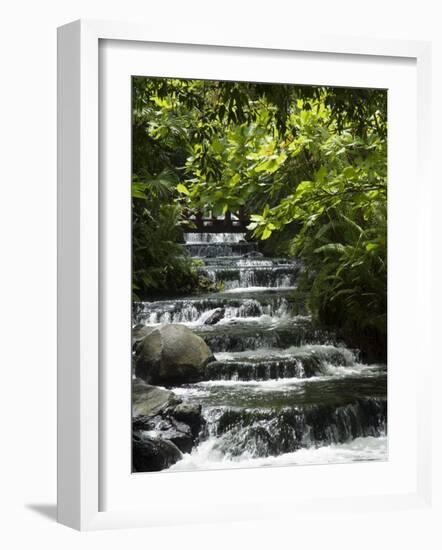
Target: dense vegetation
(309,164)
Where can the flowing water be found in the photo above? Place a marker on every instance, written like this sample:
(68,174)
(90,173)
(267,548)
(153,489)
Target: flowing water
(281,391)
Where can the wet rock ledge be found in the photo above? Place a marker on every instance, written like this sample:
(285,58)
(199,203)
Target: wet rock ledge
(163,427)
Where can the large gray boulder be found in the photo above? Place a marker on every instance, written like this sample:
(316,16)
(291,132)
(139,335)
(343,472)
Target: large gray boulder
(172,355)
(150,400)
(139,332)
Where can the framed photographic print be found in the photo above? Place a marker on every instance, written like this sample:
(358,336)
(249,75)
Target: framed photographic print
(233,294)
(259,274)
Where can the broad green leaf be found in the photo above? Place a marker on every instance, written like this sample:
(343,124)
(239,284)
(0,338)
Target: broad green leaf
(182,189)
(266,233)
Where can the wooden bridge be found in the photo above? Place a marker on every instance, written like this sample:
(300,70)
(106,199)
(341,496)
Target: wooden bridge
(235,222)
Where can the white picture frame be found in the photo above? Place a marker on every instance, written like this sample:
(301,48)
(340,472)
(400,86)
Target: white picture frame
(80,295)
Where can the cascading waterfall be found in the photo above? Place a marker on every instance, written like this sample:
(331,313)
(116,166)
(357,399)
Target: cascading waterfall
(280,391)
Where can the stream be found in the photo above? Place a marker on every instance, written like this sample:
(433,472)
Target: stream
(281,392)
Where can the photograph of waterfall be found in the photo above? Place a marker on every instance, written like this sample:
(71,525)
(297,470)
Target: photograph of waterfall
(259,274)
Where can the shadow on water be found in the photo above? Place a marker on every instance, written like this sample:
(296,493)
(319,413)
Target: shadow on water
(49,511)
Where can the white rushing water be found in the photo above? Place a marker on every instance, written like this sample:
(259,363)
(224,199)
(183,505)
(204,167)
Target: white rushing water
(280,391)
(207,457)
(205,238)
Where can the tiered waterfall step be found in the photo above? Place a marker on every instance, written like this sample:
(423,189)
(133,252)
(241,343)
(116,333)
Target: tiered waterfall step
(271,418)
(294,362)
(278,384)
(261,332)
(245,273)
(244,303)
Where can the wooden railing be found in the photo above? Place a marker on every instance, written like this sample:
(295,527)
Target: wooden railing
(235,222)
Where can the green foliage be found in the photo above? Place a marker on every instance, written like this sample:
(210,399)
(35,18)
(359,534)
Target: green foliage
(158,262)
(340,209)
(347,275)
(309,166)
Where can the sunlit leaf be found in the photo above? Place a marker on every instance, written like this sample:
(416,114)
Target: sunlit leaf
(182,189)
